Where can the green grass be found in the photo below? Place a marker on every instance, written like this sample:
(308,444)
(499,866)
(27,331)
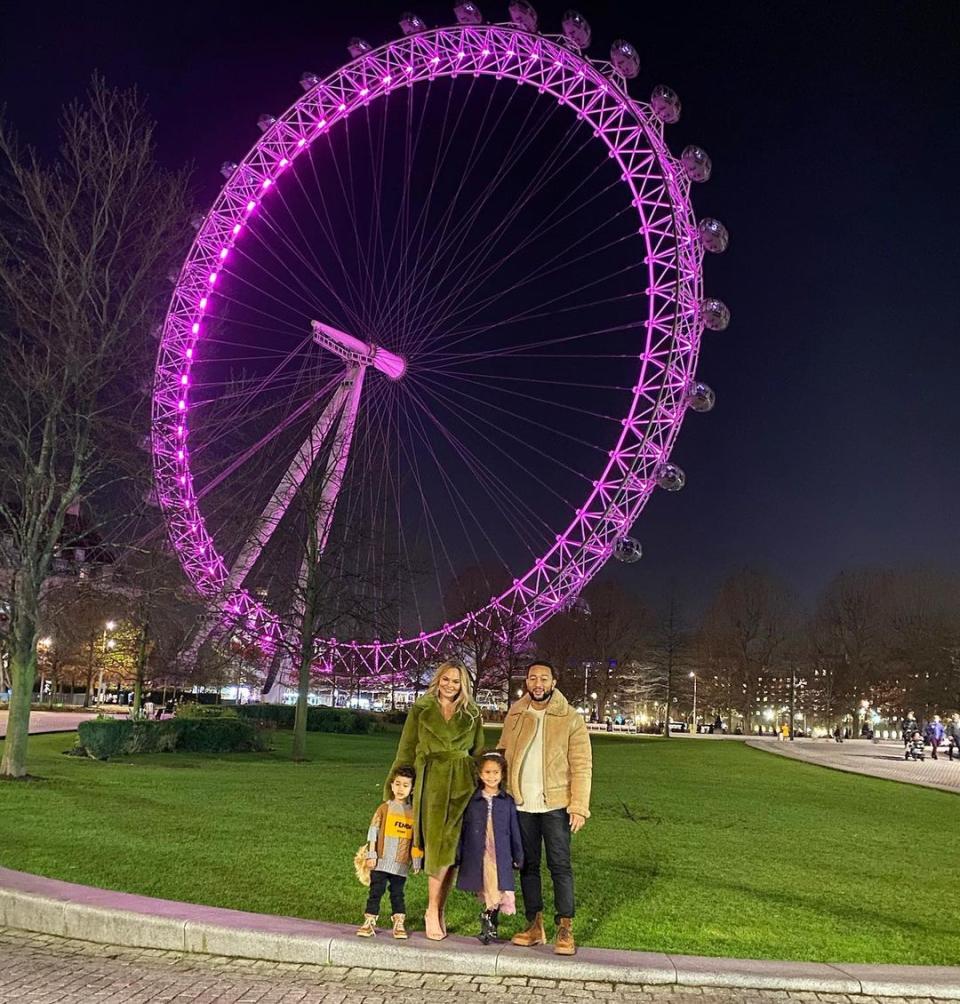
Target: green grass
(707,848)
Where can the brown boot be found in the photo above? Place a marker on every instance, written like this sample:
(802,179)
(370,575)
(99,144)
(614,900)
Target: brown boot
(399,930)
(368,928)
(533,935)
(564,944)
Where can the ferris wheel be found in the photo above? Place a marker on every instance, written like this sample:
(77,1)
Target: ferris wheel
(452,296)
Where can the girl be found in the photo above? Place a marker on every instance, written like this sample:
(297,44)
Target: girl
(490,846)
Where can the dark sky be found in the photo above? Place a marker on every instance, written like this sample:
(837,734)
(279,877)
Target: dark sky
(834,134)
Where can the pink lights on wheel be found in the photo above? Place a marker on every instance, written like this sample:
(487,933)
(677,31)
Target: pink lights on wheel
(582,545)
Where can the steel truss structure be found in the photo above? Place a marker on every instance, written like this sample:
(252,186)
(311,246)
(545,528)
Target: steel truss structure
(658,184)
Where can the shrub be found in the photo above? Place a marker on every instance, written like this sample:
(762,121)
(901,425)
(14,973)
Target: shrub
(321,718)
(103,738)
(204,712)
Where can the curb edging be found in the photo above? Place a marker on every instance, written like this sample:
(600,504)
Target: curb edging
(64,909)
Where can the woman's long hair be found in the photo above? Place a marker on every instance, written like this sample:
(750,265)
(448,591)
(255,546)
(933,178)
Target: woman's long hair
(464,701)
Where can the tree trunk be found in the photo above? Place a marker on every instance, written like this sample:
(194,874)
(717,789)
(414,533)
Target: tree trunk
(90,668)
(23,669)
(141,671)
(303,689)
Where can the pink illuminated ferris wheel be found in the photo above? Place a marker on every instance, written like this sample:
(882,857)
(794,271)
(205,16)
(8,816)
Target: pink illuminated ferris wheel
(461,315)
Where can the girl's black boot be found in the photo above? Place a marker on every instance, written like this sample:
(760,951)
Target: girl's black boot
(488,930)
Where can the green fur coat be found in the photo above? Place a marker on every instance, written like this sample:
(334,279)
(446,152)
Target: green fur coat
(440,751)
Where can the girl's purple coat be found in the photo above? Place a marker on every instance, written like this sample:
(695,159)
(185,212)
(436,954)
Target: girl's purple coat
(473,839)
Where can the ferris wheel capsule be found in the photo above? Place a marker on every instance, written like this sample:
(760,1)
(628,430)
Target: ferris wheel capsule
(358,47)
(468,13)
(411,24)
(308,80)
(665,103)
(625,59)
(714,235)
(627,550)
(228,167)
(715,313)
(576,29)
(266,121)
(523,15)
(696,163)
(700,397)
(670,477)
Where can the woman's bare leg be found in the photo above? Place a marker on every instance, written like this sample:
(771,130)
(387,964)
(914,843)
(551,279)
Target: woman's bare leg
(436,897)
(445,887)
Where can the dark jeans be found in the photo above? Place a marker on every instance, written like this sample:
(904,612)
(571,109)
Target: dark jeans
(954,745)
(550,830)
(378,886)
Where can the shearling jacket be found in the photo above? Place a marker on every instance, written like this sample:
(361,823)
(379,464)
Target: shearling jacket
(567,758)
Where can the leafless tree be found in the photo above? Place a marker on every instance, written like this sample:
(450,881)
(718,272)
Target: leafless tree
(85,244)
(745,631)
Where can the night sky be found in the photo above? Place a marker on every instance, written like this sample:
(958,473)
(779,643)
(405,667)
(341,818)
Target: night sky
(833,130)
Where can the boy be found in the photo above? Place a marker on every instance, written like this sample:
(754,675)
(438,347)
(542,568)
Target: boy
(390,848)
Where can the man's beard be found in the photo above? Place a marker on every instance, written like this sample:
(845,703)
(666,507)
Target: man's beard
(547,694)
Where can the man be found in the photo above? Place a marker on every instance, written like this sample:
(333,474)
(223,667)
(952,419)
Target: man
(953,731)
(549,769)
(933,733)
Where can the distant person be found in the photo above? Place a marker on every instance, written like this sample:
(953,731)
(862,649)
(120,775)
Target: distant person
(838,735)
(953,734)
(908,727)
(784,732)
(934,734)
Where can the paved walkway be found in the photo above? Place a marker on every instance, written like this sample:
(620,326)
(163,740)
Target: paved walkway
(50,721)
(859,756)
(41,969)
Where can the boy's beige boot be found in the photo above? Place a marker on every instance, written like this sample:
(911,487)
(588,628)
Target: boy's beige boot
(563,943)
(533,935)
(399,931)
(369,926)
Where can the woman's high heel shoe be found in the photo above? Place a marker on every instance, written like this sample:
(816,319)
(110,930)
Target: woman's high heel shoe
(433,930)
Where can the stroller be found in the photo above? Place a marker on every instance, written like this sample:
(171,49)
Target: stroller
(914,748)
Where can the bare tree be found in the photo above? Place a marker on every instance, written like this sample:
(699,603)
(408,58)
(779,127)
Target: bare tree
(745,630)
(85,243)
(613,637)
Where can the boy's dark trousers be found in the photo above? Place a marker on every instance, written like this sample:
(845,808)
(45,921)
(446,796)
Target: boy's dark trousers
(378,886)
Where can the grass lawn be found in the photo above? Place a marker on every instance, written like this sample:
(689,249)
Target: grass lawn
(694,847)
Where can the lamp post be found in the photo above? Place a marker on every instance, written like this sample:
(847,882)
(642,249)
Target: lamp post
(107,643)
(693,676)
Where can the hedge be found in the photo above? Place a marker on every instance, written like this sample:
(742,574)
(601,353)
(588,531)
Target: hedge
(321,718)
(103,738)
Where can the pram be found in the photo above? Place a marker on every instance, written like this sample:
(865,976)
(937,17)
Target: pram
(914,749)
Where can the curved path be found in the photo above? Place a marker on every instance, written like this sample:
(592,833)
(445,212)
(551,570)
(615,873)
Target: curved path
(64,910)
(50,721)
(859,756)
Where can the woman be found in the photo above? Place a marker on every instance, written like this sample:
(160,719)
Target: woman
(443,731)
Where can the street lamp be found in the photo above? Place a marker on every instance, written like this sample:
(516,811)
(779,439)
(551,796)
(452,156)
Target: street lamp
(107,644)
(693,676)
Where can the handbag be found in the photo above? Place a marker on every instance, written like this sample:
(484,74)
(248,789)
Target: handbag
(363,865)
